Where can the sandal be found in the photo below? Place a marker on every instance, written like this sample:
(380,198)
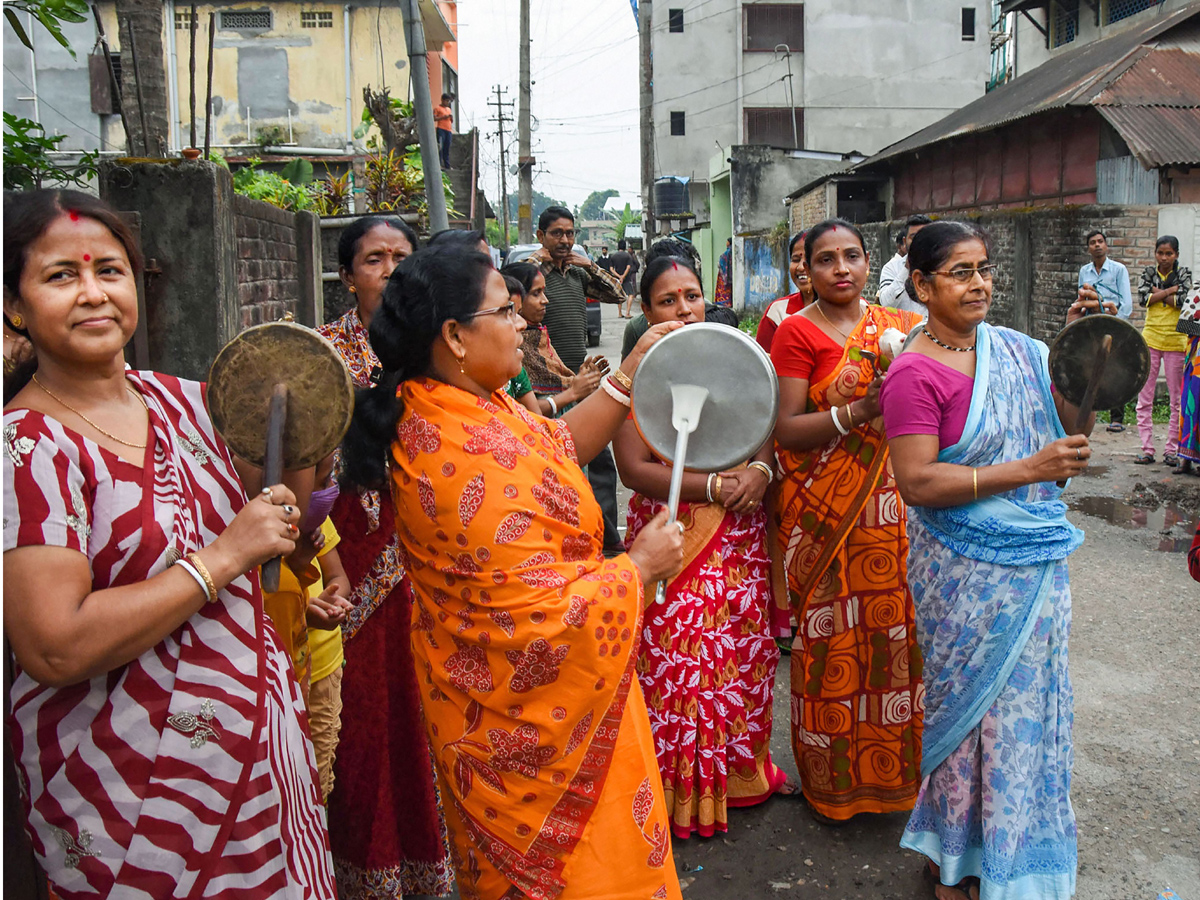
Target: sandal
(1146,459)
(1184,468)
(1170,459)
(1115,427)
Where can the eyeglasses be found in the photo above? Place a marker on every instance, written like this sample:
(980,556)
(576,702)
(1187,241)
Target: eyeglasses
(558,234)
(509,309)
(966,276)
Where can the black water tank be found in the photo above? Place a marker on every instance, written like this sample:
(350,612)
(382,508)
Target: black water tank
(670,197)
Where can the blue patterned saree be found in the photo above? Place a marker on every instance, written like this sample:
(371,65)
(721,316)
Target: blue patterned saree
(993,608)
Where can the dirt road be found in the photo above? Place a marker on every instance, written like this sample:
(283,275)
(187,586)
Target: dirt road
(1136,675)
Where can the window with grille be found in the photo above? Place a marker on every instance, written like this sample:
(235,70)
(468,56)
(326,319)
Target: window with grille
(767,25)
(259,20)
(316,20)
(774,127)
(1116,10)
(968,23)
(1064,22)
(677,123)
(675,21)
(183,19)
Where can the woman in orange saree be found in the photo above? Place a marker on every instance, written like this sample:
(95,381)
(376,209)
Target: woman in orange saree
(524,636)
(856,668)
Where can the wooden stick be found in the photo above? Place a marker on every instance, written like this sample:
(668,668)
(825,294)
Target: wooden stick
(212,28)
(115,85)
(192,73)
(137,83)
(1093,385)
(273,469)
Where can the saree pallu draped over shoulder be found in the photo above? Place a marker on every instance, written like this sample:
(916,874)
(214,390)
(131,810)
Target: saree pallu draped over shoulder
(993,613)
(855,667)
(524,638)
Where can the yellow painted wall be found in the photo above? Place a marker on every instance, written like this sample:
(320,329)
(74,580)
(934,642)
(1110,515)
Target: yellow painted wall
(315,67)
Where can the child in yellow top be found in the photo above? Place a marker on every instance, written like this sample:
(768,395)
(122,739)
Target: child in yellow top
(1163,288)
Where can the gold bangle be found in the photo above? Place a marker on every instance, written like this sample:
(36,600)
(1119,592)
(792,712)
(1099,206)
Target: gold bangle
(762,467)
(849,416)
(975,482)
(717,490)
(622,379)
(203,570)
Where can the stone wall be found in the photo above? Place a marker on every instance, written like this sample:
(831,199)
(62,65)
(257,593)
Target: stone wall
(1038,253)
(267,283)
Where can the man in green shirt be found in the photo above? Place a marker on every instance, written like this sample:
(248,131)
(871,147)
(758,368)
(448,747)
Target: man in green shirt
(570,280)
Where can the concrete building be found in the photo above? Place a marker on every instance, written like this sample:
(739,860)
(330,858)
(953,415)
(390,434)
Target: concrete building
(1045,29)
(290,72)
(824,75)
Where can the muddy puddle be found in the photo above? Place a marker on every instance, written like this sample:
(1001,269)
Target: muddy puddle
(1170,524)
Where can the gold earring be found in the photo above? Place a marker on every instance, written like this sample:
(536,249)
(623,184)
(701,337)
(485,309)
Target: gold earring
(17,321)
(353,290)
(462,367)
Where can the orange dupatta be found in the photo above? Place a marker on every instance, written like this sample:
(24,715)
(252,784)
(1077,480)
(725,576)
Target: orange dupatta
(855,665)
(525,639)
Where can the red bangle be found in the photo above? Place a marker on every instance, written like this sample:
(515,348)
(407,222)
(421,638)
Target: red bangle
(616,384)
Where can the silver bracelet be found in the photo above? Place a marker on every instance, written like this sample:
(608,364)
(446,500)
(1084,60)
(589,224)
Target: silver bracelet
(708,487)
(553,408)
(842,430)
(187,567)
(614,393)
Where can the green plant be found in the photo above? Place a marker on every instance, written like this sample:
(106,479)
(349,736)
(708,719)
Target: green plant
(298,171)
(27,162)
(250,181)
(331,195)
(271,136)
(624,219)
(49,13)
(492,233)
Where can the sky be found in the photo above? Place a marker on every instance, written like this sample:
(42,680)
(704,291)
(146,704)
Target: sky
(584,69)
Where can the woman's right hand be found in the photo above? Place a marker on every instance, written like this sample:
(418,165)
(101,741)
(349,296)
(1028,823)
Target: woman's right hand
(657,551)
(1057,461)
(263,529)
(867,407)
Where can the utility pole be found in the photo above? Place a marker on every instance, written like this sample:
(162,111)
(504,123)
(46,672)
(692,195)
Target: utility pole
(647,124)
(414,37)
(524,159)
(500,119)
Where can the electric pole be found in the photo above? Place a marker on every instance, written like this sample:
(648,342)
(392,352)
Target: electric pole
(500,119)
(647,122)
(435,194)
(524,160)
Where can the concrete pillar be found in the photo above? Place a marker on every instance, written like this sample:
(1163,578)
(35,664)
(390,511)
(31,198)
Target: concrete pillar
(186,210)
(310,302)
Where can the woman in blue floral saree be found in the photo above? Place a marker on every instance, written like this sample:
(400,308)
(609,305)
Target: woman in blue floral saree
(978,445)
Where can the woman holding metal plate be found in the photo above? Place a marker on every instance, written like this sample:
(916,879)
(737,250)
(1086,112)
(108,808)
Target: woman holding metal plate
(707,660)
(978,441)
(523,634)
(157,726)
(856,672)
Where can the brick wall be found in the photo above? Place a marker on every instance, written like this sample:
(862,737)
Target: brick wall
(268,281)
(1038,253)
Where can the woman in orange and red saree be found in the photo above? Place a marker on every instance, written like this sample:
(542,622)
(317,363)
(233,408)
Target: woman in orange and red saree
(386,827)
(524,636)
(856,670)
(707,660)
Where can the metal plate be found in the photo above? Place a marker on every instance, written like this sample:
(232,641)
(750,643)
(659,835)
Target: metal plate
(320,393)
(1073,354)
(743,400)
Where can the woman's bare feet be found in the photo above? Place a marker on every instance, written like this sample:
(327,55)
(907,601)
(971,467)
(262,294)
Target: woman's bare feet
(788,788)
(966,889)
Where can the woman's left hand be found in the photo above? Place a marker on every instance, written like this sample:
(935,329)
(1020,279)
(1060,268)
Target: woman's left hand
(649,339)
(742,490)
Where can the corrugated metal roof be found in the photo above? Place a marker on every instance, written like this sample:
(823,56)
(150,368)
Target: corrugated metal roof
(1157,135)
(1159,78)
(1075,78)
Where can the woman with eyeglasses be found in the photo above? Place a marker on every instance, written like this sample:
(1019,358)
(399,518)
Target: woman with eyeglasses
(856,674)
(979,442)
(524,636)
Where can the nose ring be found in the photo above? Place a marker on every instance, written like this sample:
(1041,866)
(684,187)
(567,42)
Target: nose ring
(105,296)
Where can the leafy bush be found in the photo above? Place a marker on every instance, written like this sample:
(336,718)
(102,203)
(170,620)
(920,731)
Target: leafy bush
(251,181)
(27,162)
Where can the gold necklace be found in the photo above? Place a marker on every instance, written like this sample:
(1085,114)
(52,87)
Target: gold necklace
(831,325)
(107,434)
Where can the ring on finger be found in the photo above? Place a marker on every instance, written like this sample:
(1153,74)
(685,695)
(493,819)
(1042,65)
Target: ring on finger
(266,492)
(292,529)
(288,510)
(679,525)
(1077,456)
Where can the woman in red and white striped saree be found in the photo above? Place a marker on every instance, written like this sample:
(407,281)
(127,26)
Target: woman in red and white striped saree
(158,729)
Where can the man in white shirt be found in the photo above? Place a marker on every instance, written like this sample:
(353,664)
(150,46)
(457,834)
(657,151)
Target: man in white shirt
(895,292)
(895,267)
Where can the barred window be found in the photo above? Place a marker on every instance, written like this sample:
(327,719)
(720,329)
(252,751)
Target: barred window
(773,126)
(183,19)
(1116,10)
(316,20)
(767,25)
(258,20)
(1064,22)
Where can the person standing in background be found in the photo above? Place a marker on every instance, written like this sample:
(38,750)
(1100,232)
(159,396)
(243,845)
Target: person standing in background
(791,303)
(723,294)
(443,117)
(604,261)
(895,292)
(1164,287)
(896,267)
(620,266)
(1104,287)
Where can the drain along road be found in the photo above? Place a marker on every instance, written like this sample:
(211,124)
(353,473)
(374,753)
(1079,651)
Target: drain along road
(1135,662)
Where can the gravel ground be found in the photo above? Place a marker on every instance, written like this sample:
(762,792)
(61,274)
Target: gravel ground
(1136,787)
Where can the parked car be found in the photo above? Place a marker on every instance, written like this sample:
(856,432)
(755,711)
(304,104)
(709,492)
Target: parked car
(519,252)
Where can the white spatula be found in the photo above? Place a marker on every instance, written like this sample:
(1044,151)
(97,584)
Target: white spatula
(687,402)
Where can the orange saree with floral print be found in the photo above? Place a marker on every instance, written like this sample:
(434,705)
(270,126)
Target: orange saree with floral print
(856,667)
(524,638)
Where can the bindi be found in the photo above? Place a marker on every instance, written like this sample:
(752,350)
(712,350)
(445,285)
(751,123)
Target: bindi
(87,257)
(73,215)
